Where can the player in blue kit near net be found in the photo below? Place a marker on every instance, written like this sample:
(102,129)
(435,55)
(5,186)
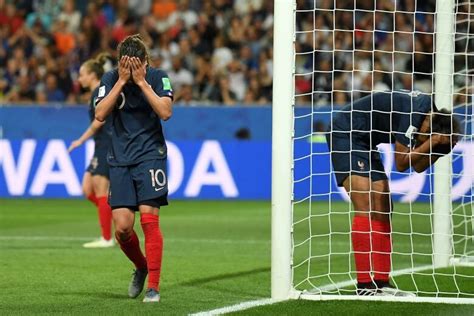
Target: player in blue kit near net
(96,179)
(421,134)
(136,97)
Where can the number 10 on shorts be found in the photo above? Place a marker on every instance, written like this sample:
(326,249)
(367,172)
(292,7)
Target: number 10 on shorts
(158,178)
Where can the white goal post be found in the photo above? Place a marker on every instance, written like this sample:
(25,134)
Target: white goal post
(444,96)
(432,258)
(282,144)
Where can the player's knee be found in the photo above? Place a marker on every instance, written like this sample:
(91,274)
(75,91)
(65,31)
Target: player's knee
(362,208)
(123,229)
(123,232)
(382,216)
(86,190)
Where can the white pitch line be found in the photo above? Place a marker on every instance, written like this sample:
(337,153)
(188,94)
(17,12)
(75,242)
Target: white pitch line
(41,238)
(191,240)
(83,238)
(237,307)
(324,288)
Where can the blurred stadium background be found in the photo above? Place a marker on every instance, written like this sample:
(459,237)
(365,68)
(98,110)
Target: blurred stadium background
(218,54)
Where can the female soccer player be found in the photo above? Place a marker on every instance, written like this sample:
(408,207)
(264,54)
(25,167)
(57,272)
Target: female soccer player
(421,133)
(137,97)
(95,183)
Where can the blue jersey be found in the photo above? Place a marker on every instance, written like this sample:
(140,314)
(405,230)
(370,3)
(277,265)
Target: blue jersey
(384,117)
(137,133)
(103,136)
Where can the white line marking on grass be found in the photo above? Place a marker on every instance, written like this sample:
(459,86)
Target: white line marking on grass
(307,295)
(237,307)
(188,240)
(83,238)
(41,238)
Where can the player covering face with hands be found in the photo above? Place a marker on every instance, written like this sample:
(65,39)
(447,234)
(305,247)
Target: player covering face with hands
(136,98)
(421,134)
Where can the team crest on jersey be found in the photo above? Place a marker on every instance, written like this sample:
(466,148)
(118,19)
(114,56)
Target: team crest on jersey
(361,165)
(101,92)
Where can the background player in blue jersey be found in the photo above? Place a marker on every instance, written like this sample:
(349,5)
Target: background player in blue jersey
(95,183)
(136,97)
(421,133)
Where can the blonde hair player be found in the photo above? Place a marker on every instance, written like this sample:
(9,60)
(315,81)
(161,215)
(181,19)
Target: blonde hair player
(95,183)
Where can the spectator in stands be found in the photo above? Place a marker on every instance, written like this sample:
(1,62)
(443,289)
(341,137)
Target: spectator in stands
(237,80)
(189,17)
(185,95)
(21,91)
(178,75)
(70,16)
(222,55)
(52,92)
(64,39)
(10,17)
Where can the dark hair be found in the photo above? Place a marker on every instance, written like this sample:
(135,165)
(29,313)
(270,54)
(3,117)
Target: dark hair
(133,46)
(444,122)
(96,65)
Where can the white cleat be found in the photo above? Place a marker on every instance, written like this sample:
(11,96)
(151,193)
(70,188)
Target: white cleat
(99,243)
(390,291)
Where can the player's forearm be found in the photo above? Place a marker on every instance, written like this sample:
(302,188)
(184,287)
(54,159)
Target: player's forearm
(92,130)
(86,135)
(162,106)
(106,105)
(419,158)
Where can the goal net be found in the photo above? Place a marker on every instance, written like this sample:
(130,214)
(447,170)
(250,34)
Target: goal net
(345,50)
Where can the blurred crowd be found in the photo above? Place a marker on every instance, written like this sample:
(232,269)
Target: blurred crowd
(358,50)
(215,51)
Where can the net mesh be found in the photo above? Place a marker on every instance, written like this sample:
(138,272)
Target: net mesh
(347,49)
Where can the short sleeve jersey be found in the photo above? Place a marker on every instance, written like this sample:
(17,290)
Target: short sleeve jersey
(384,117)
(102,137)
(137,134)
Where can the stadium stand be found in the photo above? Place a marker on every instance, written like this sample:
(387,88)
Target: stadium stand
(216,51)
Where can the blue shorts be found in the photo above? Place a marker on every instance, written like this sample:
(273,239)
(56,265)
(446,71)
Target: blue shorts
(99,165)
(145,183)
(352,156)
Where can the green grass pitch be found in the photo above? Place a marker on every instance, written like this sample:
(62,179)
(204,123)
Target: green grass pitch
(216,254)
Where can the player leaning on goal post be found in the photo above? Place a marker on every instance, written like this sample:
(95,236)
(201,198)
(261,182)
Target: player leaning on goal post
(95,183)
(421,133)
(137,97)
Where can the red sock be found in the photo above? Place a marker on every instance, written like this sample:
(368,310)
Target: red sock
(91,197)
(105,217)
(153,248)
(131,248)
(361,247)
(381,250)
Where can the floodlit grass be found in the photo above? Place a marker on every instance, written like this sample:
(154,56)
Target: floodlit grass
(216,254)
(326,257)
